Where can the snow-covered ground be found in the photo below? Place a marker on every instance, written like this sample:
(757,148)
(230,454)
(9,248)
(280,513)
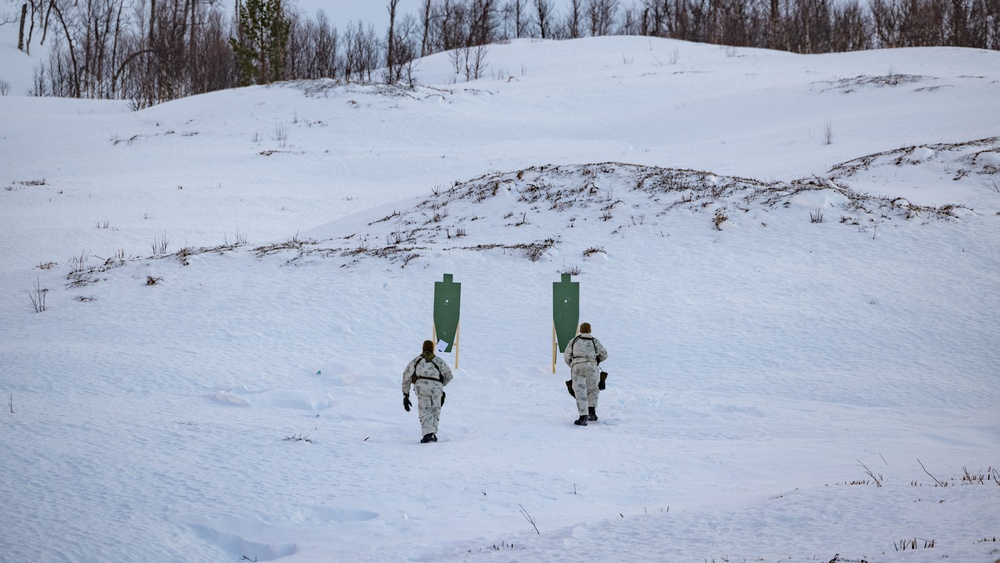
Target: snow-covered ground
(780,390)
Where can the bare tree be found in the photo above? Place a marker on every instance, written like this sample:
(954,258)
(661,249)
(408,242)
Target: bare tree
(361,52)
(68,82)
(404,40)
(543,10)
(470,60)
(513,15)
(453,32)
(32,15)
(774,24)
(482,22)
(630,22)
(888,19)
(324,48)
(852,28)
(408,45)
(20,31)
(654,17)
(601,15)
(393,66)
(217,67)
(574,19)
(520,17)
(425,19)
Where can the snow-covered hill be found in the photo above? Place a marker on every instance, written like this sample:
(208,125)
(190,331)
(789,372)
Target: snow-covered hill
(792,261)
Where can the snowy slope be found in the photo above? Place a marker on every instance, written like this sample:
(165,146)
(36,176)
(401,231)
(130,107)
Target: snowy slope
(781,389)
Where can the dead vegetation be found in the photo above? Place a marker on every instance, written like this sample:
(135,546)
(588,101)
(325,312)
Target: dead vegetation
(890,79)
(989,476)
(970,157)
(514,211)
(608,192)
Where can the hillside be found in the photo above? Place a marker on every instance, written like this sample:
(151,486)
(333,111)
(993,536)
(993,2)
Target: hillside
(791,259)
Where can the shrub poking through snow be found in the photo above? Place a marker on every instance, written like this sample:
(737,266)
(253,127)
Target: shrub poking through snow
(298,438)
(719,219)
(912,544)
(160,244)
(37,296)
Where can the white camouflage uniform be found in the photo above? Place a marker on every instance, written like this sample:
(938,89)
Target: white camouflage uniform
(582,355)
(432,374)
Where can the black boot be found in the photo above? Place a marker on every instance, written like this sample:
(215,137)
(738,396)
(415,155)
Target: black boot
(593,414)
(427,438)
(582,421)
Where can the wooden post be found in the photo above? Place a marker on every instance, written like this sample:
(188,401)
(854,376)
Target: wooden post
(458,331)
(555,346)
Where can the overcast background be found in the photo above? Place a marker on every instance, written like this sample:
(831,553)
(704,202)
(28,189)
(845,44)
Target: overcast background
(343,12)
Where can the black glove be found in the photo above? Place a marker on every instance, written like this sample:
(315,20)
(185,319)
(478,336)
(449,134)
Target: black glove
(569,386)
(604,377)
(443,395)
(406,401)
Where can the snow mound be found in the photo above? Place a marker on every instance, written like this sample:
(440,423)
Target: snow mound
(815,199)
(938,175)
(237,546)
(527,212)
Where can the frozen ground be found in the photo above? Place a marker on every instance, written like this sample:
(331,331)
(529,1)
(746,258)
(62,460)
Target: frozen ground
(780,390)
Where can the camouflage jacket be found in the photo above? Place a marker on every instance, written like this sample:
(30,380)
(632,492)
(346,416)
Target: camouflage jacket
(426,367)
(584,348)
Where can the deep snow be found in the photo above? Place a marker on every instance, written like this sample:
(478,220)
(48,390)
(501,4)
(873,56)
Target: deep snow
(767,376)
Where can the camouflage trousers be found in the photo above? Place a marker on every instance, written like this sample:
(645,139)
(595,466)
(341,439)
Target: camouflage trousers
(429,405)
(585,377)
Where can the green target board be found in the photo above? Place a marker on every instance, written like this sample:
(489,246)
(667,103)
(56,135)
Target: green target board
(447,303)
(565,310)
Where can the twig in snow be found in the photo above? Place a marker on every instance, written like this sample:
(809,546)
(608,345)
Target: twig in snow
(903,545)
(529,519)
(940,484)
(11,402)
(37,297)
(878,482)
(298,438)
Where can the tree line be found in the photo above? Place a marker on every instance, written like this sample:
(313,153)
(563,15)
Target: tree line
(150,51)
